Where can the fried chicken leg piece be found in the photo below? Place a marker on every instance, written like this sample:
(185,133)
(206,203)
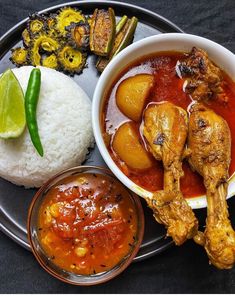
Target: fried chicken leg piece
(204,78)
(210,144)
(165,129)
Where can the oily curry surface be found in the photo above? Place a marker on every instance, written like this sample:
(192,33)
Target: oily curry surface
(167,87)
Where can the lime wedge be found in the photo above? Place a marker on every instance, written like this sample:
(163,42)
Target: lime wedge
(12,113)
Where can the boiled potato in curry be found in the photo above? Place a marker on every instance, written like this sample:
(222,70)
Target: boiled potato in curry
(132,94)
(128,147)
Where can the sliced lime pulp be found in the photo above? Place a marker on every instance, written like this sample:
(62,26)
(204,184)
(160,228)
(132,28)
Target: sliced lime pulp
(12,112)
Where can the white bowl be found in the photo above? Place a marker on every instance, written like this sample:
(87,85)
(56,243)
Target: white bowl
(165,42)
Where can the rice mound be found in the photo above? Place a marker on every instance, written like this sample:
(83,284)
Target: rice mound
(64,123)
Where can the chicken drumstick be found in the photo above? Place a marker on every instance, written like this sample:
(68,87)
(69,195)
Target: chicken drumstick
(210,144)
(165,129)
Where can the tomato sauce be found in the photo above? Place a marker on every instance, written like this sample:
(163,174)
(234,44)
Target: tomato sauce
(168,87)
(88,223)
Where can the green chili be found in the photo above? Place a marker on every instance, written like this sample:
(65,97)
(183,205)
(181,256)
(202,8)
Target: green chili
(31,101)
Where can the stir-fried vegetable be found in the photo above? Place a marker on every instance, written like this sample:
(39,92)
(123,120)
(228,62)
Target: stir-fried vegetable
(47,38)
(125,31)
(19,56)
(42,42)
(78,35)
(26,38)
(51,61)
(36,24)
(67,16)
(71,60)
(102,31)
(121,23)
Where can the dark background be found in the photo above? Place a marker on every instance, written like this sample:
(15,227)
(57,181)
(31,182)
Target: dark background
(177,270)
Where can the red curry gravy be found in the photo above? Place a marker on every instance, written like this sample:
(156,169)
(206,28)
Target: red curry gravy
(88,223)
(168,87)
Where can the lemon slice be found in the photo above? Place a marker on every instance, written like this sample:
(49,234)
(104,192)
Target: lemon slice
(12,113)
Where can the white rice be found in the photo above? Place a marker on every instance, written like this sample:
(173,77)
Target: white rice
(64,122)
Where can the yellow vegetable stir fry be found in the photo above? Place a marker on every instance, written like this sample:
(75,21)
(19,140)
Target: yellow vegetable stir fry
(63,40)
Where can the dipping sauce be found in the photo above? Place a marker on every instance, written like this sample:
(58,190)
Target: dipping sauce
(87,223)
(167,87)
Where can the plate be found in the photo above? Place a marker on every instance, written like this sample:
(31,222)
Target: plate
(15,200)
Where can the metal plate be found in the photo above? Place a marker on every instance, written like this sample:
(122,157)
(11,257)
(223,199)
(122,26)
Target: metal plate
(15,200)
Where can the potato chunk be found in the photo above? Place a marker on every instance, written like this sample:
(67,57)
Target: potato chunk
(132,93)
(127,146)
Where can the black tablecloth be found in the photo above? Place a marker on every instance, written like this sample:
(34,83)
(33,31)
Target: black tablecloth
(177,270)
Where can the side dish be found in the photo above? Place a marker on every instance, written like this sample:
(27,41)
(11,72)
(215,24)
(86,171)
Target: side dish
(87,224)
(84,226)
(63,40)
(102,31)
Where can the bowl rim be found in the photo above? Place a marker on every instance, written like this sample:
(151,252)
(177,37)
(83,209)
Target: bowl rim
(111,274)
(195,202)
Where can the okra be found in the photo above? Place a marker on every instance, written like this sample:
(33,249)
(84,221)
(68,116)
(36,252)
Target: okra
(123,38)
(120,24)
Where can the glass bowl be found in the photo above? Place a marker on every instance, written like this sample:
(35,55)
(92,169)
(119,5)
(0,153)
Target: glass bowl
(39,252)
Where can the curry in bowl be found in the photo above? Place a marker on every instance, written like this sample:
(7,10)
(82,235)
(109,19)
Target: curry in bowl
(158,77)
(168,123)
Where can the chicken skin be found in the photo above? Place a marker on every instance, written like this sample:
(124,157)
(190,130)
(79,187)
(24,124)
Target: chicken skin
(165,129)
(210,143)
